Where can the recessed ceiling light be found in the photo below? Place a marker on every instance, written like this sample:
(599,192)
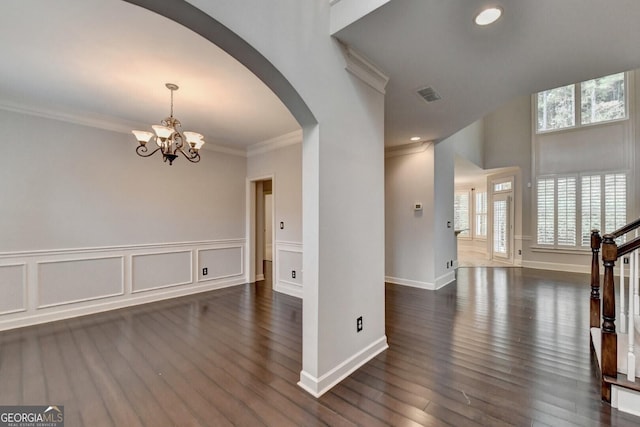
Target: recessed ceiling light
(415,138)
(488,16)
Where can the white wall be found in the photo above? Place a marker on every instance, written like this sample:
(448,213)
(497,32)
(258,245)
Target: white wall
(469,143)
(444,239)
(93,226)
(419,245)
(345,12)
(408,233)
(343,164)
(285,166)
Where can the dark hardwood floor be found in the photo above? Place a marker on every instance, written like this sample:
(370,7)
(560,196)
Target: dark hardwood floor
(499,347)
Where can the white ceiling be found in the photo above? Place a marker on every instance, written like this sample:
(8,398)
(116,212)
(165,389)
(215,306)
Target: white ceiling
(108,60)
(536,45)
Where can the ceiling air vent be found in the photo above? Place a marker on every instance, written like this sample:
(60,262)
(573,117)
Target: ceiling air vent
(428,94)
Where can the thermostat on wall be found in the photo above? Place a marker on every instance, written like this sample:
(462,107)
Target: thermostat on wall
(417,206)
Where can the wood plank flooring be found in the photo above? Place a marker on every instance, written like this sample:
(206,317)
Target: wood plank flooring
(502,346)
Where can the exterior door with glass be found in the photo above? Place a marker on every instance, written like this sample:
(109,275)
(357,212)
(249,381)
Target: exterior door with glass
(502,227)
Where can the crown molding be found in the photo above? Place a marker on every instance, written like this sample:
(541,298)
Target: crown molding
(365,70)
(276,143)
(403,150)
(98,122)
(224,149)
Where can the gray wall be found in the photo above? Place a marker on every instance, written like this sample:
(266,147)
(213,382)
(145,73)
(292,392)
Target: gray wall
(419,245)
(88,225)
(285,166)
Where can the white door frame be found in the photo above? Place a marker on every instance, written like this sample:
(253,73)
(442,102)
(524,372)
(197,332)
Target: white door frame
(250,228)
(509,196)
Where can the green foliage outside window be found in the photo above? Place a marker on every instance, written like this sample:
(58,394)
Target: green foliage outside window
(600,100)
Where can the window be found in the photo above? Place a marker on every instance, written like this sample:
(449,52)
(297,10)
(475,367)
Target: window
(602,99)
(599,100)
(556,108)
(480,229)
(546,212)
(615,199)
(566,211)
(591,211)
(502,186)
(600,202)
(461,213)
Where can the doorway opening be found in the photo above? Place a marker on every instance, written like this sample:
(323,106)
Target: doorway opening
(261,231)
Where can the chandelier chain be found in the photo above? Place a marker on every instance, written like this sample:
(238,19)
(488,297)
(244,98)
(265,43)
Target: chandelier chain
(171,115)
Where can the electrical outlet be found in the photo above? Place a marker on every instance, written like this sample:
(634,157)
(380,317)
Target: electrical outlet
(281,225)
(205,271)
(293,274)
(626,260)
(519,251)
(359,324)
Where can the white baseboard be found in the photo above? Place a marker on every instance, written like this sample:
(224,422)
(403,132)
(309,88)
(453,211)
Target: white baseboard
(99,307)
(625,400)
(318,386)
(445,279)
(411,283)
(289,288)
(54,286)
(570,268)
(441,281)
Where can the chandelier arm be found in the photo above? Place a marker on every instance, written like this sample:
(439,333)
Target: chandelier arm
(142,149)
(193,157)
(178,140)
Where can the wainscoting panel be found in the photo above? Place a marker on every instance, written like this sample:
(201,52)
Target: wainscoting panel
(220,262)
(160,270)
(47,285)
(13,288)
(71,281)
(288,260)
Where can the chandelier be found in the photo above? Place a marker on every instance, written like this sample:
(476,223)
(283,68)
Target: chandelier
(169,139)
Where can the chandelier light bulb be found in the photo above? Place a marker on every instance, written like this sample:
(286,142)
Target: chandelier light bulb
(142,136)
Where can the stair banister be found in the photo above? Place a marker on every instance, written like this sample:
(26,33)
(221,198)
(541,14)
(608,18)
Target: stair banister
(609,338)
(626,228)
(596,241)
(610,252)
(623,317)
(633,281)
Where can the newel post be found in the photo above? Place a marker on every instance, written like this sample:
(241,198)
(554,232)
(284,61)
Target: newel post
(596,240)
(609,337)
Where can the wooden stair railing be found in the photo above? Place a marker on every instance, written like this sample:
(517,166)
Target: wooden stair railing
(596,241)
(609,341)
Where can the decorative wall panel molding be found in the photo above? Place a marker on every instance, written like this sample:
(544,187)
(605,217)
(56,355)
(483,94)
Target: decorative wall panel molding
(48,285)
(161,270)
(220,262)
(288,259)
(13,288)
(76,280)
